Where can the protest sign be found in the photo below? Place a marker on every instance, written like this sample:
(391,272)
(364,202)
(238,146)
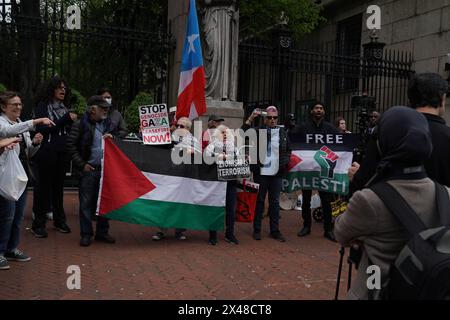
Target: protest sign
(232,169)
(155,126)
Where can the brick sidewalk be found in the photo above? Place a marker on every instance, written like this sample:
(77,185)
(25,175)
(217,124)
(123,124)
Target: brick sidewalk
(138,268)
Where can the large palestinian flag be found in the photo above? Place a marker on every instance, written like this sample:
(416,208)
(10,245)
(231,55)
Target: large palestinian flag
(141,185)
(320,162)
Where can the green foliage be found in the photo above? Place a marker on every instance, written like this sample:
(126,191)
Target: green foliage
(78,103)
(2,88)
(132,111)
(257,16)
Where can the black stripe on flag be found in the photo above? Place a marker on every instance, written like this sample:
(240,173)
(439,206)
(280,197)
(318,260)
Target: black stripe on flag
(298,142)
(157,159)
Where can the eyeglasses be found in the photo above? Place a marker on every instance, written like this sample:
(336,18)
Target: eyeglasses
(15,104)
(62,88)
(272,118)
(180,126)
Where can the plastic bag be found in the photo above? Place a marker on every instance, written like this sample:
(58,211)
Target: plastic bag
(246,201)
(299,204)
(13,178)
(315,201)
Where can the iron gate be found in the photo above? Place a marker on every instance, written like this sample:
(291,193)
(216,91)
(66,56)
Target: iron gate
(36,44)
(279,74)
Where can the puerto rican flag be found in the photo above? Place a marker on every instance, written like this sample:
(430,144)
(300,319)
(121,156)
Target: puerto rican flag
(191,91)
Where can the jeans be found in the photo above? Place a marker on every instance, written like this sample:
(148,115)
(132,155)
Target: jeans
(325,199)
(49,187)
(11,217)
(271,184)
(230,210)
(88,194)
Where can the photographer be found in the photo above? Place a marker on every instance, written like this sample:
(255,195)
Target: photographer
(405,145)
(427,95)
(269,171)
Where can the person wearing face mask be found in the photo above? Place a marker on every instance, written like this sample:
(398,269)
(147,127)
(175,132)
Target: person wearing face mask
(84,144)
(118,124)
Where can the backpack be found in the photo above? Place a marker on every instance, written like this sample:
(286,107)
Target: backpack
(422,269)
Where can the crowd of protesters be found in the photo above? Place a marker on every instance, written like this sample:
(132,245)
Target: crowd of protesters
(408,149)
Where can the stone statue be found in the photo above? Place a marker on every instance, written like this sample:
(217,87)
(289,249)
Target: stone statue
(221,41)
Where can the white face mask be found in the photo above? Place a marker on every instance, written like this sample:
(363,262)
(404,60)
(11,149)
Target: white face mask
(109,100)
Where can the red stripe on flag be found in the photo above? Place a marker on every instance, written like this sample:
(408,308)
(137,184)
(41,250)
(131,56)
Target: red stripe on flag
(194,92)
(122,181)
(293,162)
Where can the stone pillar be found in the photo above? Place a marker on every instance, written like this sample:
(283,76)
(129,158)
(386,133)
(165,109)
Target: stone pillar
(177,19)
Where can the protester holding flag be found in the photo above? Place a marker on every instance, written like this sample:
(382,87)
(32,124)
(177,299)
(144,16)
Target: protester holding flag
(85,147)
(268,173)
(119,126)
(223,147)
(183,138)
(317,125)
(213,122)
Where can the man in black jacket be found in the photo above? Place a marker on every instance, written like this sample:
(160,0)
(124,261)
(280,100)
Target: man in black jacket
(268,173)
(84,144)
(317,125)
(427,94)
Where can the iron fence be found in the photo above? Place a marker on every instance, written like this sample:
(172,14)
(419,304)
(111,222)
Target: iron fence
(36,44)
(292,78)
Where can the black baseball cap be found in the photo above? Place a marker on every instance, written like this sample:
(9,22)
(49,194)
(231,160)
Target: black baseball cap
(213,117)
(98,101)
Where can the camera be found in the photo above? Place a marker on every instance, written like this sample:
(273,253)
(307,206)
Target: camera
(363,102)
(364,105)
(260,112)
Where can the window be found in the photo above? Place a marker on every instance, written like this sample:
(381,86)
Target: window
(5,11)
(348,51)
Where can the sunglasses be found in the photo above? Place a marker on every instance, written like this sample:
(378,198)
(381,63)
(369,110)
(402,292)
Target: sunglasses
(180,126)
(272,118)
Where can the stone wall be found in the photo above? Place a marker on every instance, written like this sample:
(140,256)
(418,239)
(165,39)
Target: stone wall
(421,27)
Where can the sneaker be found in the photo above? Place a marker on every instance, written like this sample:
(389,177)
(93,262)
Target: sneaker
(256,235)
(212,241)
(231,239)
(17,255)
(4,263)
(85,241)
(39,232)
(180,236)
(62,227)
(105,238)
(278,236)
(158,236)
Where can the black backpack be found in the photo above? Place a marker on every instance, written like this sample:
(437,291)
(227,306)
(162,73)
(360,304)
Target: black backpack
(422,269)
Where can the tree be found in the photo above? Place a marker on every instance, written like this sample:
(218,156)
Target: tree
(257,16)
(132,111)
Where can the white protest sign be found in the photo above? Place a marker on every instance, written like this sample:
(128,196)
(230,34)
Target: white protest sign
(155,124)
